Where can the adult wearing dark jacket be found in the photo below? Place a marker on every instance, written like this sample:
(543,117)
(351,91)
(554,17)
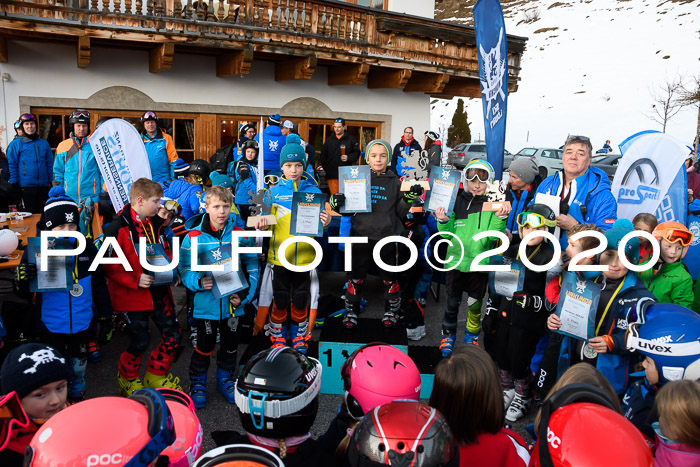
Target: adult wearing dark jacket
(31,165)
(434,147)
(407,145)
(339,150)
(523,183)
(271,141)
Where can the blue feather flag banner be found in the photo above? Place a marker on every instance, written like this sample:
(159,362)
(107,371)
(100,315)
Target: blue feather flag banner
(492,53)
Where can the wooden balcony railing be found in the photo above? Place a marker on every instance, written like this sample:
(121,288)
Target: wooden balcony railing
(328,30)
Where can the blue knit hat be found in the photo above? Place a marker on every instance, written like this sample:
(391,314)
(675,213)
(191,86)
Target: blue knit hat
(218,179)
(274,119)
(60,209)
(180,168)
(620,228)
(293,151)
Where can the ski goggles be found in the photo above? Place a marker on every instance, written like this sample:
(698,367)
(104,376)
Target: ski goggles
(171,205)
(534,220)
(476,177)
(27,118)
(80,113)
(271,179)
(161,426)
(149,116)
(11,415)
(673,236)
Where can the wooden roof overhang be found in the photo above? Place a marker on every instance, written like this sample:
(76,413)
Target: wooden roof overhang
(357,44)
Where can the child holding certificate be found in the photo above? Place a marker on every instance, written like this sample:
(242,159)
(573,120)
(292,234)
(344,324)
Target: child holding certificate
(390,208)
(291,291)
(214,312)
(518,322)
(467,220)
(134,291)
(621,289)
(66,314)
(544,366)
(669,279)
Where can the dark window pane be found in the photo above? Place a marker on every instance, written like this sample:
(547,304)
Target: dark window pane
(316,133)
(354,131)
(51,129)
(229,132)
(184,134)
(368,134)
(187,156)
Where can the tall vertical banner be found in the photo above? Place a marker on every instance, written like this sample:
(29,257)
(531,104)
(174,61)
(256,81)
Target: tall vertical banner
(121,157)
(651,177)
(493,72)
(261,159)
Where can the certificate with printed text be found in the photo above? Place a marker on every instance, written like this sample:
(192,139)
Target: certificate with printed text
(354,183)
(578,303)
(444,184)
(228,281)
(306,214)
(59,273)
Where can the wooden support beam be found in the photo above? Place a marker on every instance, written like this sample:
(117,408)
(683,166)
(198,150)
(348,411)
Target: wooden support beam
(161,57)
(234,63)
(426,82)
(347,74)
(83,51)
(4,56)
(460,87)
(383,78)
(295,68)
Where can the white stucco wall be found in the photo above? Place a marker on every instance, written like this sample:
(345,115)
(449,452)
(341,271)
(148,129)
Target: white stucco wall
(42,69)
(424,8)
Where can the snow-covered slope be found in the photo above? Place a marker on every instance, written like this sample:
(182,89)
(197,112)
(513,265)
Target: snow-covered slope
(589,68)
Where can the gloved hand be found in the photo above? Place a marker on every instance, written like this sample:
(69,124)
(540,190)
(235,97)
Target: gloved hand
(525,301)
(337,201)
(243,171)
(413,193)
(25,272)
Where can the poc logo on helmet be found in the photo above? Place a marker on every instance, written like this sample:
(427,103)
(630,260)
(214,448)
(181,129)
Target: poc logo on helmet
(106,459)
(553,439)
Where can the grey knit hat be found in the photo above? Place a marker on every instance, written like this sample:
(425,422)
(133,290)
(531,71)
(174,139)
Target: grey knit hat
(525,168)
(383,143)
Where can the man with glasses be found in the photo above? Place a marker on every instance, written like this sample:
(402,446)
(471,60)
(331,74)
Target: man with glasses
(159,147)
(339,150)
(75,166)
(407,145)
(584,191)
(31,165)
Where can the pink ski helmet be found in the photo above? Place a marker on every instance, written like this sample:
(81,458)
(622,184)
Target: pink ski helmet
(376,374)
(187,446)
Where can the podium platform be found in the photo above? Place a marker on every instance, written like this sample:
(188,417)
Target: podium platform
(337,343)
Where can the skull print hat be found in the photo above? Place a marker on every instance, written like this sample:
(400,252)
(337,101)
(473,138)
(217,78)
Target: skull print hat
(31,366)
(60,209)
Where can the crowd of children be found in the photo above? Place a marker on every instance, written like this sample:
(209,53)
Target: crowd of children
(639,321)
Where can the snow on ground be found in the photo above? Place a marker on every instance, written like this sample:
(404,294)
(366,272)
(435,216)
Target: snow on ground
(593,72)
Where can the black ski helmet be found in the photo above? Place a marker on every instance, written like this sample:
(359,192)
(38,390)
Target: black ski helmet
(251,143)
(201,168)
(277,393)
(543,210)
(79,116)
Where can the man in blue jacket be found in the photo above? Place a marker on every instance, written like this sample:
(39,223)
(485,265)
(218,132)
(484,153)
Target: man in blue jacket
(31,165)
(159,147)
(584,191)
(271,141)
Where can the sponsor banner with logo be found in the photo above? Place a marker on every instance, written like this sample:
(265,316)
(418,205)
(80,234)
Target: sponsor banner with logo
(493,73)
(651,177)
(121,157)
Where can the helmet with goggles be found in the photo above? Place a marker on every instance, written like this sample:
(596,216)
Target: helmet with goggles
(537,216)
(478,164)
(674,232)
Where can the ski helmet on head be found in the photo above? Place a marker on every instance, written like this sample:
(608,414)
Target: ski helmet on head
(403,433)
(579,416)
(149,115)
(669,334)
(674,232)
(251,143)
(478,164)
(137,428)
(366,372)
(200,168)
(536,216)
(79,116)
(277,393)
(187,426)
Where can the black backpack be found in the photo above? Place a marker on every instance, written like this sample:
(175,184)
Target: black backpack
(220,160)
